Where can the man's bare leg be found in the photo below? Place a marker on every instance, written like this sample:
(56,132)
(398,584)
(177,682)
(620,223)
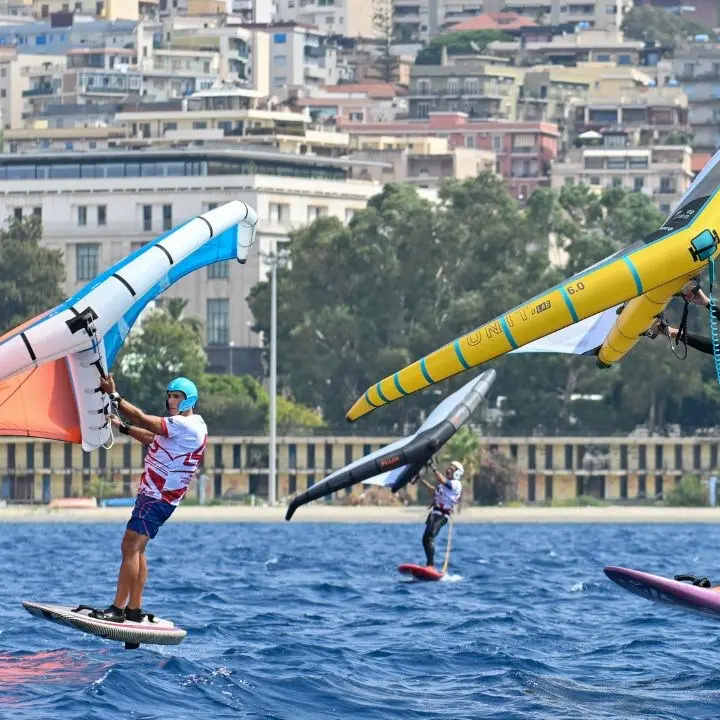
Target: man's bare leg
(136,592)
(133,569)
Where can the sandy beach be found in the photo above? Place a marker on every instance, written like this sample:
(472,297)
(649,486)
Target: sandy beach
(333,514)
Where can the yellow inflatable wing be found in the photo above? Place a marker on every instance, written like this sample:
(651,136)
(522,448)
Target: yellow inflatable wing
(647,274)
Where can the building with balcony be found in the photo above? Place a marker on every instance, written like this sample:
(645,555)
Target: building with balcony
(209,124)
(697,69)
(17,77)
(98,207)
(573,48)
(347,18)
(662,172)
(655,113)
(351,102)
(479,89)
(524,151)
(244,52)
(300,56)
(46,38)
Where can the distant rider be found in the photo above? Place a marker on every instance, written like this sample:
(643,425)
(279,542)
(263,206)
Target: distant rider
(701,343)
(176,448)
(445,499)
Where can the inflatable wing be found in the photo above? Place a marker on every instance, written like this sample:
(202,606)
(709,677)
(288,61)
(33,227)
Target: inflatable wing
(642,278)
(401,460)
(50,366)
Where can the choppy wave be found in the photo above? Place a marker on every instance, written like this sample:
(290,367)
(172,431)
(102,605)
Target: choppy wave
(308,622)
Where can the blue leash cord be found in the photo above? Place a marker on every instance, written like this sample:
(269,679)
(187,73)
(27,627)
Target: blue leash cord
(713,320)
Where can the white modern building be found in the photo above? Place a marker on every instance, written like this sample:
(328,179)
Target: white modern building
(300,56)
(350,18)
(97,208)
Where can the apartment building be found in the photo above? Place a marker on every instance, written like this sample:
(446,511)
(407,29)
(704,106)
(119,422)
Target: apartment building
(98,207)
(662,172)
(572,48)
(524,151)
(652,113)
(697,69)
(421,20)
(352,102)
(300,56)
(349,18)
(16,78)
(481,90)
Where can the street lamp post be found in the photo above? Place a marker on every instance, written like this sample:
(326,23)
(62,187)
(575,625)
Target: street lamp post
(273,381)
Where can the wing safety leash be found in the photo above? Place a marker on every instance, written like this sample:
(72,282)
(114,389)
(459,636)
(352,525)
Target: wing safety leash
(449,545)
(704,247)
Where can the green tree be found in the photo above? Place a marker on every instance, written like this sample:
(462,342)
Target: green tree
(467,42)
(157,350)
(653,24)
(232,404)
(403,278)
(386,62)
(587,227)
(31,276)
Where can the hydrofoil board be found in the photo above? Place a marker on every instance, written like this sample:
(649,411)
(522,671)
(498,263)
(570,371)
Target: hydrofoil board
(681,595)
(151,631)
(421,572)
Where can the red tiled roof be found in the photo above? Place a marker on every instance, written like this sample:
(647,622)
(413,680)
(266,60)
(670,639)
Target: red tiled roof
(495,21)
(700,160)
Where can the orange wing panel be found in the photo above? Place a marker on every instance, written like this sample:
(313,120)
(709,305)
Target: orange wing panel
(40,403)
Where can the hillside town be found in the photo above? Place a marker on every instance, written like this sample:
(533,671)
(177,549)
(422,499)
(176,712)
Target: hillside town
(121,118)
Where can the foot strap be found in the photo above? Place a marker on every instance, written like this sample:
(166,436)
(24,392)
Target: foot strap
(702,582)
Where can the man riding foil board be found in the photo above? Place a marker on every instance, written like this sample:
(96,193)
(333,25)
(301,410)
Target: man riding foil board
(176,447)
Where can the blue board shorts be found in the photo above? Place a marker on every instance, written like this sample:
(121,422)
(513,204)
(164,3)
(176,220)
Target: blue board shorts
(149,515)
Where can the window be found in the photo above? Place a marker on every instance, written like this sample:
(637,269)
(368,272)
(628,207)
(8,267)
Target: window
(147,218)
(279,212)
(102,214)
(219,271)
(218,321)
(87,261)
(638,183)
(349,215)
(17,214)
(279,38)
(617,163)
(594,163)
(37,212)
(315,212)
(167,217)
(82,215)
(280,61)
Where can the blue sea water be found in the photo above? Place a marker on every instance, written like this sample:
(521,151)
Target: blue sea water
(308,621)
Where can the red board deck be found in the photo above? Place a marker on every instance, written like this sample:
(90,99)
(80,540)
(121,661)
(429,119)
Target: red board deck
(421,572)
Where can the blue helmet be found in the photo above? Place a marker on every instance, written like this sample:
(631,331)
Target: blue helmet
(187,387)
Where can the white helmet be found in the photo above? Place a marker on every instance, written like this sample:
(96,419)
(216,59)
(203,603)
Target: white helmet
(459,470)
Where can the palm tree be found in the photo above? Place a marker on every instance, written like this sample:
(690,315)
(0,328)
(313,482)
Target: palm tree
(175,307)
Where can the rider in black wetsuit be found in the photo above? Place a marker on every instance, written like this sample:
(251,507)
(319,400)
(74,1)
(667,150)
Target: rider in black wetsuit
(702,343)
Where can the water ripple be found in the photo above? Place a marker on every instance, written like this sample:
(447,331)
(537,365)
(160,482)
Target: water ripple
(309,622)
